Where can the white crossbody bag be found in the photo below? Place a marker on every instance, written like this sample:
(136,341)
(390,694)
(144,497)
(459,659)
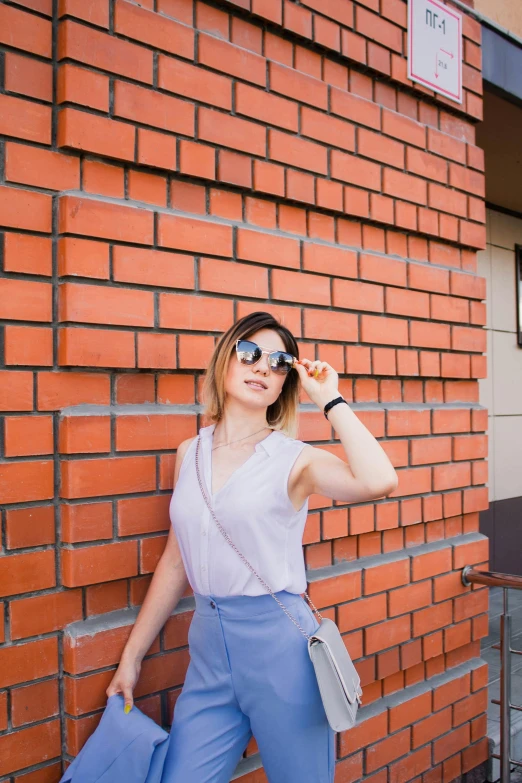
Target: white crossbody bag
(337,678)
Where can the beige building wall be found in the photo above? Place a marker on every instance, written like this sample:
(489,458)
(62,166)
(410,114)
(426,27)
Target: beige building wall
(507,13)
(501,391)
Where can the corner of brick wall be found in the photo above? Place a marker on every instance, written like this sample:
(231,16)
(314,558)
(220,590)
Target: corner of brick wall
(165,168)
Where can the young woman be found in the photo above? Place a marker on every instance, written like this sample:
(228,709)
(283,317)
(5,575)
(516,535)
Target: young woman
(250,673)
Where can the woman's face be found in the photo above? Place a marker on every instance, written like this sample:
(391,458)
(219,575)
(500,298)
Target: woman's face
(241,379)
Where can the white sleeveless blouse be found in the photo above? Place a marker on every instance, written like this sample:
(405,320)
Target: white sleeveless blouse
(254,507)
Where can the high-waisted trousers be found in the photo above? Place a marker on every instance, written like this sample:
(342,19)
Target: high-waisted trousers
(250,674)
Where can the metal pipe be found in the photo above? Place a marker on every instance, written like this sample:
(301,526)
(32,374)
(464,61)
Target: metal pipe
(505,692)
(490,578)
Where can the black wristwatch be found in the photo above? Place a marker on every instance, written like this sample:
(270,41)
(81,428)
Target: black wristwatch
(332,403)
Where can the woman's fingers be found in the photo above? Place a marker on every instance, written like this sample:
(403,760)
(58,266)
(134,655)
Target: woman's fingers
(127,695)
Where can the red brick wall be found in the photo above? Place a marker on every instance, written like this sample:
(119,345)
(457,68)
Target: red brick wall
(166,168)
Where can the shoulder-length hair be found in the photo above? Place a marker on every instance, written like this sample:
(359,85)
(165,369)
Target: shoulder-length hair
(282,414)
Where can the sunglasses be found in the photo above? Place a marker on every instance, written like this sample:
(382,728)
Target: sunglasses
(250,353)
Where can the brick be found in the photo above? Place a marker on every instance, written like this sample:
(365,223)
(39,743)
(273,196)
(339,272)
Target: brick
(411,767)
(186,311)
(328,129)
(356,202)
(368,297)
(388,750)
(105,305)
(157,31)
(153,108)
(83,257)
(300,287)
(156,149)
(25,300)
(41,168)
(410,711)
(403,128)
(103,51)
(232,278)
(378,29)
(91,217)
(25,209)
(324,325)
(446,146)
(153,267)
(27,254)
(298,86)
(43,614)
(25,31)
(231,132)
(79,85)
(449,308)
(95,348)
(386,576)
(428,729)
(28,436)
(194,235)
(426,165)
(355,171)
(363,734)
(26,345)
(100,135)
(382,269)
(375,146)
(400,301)
(361,613)
(329,260)
(401,185)
(298,20)
(96,13)
(409,598)
(450,744)
(269,9)
(104,179)
(23,482)
(101,563)
(326,33)
(29,77)
(296,152)
(429,335)
(380,329)
(75,430)
(431,564)
(428,279)
(234,168)
(352,107)
(386,634)
(258,247)
(265,107)
(431,619)
(107,476)
(467,179)
(227,58)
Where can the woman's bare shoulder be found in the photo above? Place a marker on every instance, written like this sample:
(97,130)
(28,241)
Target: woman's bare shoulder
(182,449)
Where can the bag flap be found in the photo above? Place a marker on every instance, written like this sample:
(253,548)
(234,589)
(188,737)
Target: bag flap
(328,634)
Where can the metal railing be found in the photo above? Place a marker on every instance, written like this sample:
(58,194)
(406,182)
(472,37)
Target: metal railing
(492,579)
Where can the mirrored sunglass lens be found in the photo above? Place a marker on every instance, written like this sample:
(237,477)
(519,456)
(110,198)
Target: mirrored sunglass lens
(248,352)
(281,361)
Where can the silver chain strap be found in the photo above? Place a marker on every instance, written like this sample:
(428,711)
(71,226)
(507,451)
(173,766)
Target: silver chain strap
(243,558)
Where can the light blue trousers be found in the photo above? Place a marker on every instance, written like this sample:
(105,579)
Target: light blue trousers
(250,674)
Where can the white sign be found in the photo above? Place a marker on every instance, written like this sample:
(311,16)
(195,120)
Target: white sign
(435,47)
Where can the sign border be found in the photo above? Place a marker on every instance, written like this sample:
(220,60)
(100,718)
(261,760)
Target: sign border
(458,97)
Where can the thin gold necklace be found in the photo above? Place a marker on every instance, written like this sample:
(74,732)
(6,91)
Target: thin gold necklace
(246,436)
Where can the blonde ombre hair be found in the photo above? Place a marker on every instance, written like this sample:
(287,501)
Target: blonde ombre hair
(283,413)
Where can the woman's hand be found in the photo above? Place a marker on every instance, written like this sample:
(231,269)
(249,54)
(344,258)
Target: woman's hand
(124,681)
(319,380)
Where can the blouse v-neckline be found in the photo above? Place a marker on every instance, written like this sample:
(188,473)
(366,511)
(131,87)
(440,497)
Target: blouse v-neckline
(238,469)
